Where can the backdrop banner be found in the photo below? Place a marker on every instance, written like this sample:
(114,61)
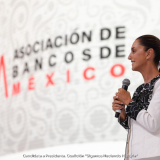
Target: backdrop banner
(61,63)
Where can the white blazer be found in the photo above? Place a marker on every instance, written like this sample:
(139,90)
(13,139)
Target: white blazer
(144,133)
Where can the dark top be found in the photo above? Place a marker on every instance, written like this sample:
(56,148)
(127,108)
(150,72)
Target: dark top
(141,100)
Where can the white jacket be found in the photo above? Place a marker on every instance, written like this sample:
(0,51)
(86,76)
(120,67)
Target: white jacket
(144,133)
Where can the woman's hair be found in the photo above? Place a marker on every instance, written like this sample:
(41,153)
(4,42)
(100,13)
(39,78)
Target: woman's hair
(150,41)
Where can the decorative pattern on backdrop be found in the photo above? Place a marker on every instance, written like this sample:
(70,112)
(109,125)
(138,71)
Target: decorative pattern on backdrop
(64,60)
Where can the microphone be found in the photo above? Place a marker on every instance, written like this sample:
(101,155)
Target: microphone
(125,84)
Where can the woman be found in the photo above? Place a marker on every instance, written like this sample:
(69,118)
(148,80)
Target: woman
(141,117)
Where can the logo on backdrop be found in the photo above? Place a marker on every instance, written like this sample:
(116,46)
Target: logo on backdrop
(62,41)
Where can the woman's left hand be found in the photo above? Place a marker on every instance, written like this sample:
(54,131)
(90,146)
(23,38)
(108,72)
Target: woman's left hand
(123,96)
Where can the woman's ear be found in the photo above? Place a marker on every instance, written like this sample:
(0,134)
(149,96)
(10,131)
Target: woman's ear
(150,54)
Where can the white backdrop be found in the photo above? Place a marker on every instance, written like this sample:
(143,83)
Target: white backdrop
(59,68)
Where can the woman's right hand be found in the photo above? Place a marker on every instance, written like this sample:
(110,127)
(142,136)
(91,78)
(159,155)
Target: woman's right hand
(116,105)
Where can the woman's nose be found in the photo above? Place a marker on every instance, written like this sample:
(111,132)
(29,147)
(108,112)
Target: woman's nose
(129,57)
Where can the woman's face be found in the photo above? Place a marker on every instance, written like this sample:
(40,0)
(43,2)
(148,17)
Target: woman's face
(138,56)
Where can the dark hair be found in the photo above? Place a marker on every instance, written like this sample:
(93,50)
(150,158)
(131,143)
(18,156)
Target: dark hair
(150,41)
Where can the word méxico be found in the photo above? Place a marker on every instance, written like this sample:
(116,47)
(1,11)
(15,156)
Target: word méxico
(87,74)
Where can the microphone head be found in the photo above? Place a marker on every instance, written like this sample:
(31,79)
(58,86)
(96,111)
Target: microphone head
(126,82)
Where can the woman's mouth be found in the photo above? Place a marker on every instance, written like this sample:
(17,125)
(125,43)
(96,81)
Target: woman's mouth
(132,62)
